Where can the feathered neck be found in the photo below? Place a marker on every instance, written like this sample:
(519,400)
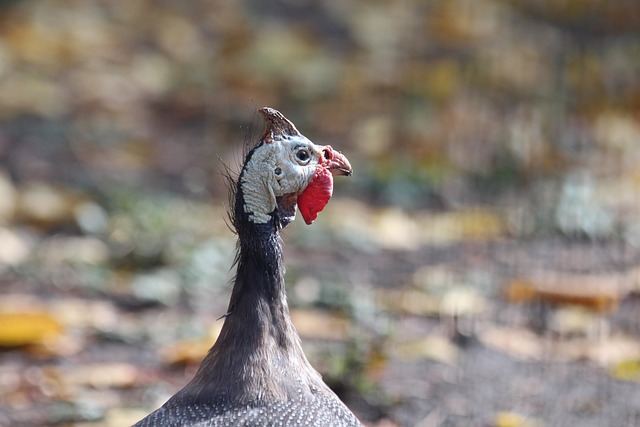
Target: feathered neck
(258,353)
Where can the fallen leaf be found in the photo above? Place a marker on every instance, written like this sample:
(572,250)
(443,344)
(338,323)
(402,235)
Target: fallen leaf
(461,301)
(600,293)
(515,342)
(454,301)
(83,313)
(435,278)
(394,229)
(520,291)
(14,247)
(606,352)
(627,370)
(410,301)
(524,344)
(26,328)
(451,227)
(44,205)
(479,224)
(63,346)
(511,419)
(575,320)
(316,324)
(189,352)
(64,249)
(97,375)
(618,131)
(437,348)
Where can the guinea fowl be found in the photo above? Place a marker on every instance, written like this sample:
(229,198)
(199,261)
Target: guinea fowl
(256,373)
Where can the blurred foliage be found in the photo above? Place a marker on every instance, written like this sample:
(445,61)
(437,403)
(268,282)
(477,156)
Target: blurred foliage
(475,127)
(489,95)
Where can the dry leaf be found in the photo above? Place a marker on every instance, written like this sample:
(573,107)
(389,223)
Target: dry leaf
(27,328)
(511,419)
(455,301)
(410,301)
(599,293)
(524,344)
(432,278)
(395,229)
(316,324)
(575,320)
(14,247)
(618,131)
(188,352)
(628,370)
(64,249)
(519,343)
(98,375)
(607,352)
(46,206)
(451,227)
(434,347)
(461,301)
(82,313)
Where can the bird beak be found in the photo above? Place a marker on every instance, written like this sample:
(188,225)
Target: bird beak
(336,162)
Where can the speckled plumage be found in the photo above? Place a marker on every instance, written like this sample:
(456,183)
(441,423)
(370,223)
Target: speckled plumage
(323,411)
(256,374)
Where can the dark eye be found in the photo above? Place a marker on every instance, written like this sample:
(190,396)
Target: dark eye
(302,155)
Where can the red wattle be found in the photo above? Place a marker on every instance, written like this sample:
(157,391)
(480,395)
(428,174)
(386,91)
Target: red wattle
(316,196)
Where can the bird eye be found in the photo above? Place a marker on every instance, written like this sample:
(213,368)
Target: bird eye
(303,155)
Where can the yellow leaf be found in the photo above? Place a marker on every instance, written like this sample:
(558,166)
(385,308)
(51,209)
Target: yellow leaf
(628,370)
(511,419)
(18,329)
(479,224)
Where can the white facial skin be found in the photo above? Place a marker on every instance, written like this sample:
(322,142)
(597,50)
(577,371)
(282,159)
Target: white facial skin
(282,167)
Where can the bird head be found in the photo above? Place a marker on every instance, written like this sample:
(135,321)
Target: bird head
(285,170)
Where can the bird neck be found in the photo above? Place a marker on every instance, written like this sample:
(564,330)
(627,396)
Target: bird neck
(258,353)
(258,300)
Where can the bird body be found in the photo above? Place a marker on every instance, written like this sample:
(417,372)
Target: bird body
(256,374)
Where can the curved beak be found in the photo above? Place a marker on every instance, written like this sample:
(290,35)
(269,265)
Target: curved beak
(336,162)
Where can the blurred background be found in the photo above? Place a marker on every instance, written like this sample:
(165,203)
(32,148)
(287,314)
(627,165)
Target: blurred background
(481,267)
